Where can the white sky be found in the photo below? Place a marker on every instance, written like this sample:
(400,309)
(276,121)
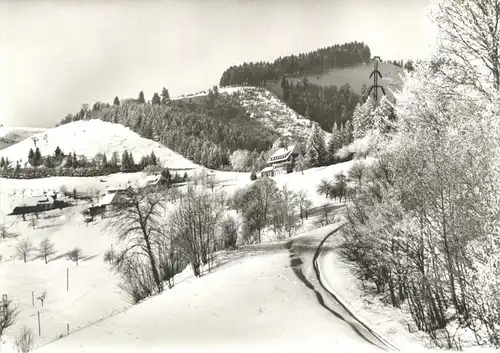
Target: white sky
(54,56)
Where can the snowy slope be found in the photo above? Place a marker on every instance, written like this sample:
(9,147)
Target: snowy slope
(264,106)
(275,114)
(255,303)
(95,136)
(12,135)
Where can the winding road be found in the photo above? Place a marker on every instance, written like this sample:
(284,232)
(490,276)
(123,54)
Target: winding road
(305,258)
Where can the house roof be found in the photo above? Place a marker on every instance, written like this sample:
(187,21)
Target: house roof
(282,154)
(267,169)
(35,200)
(107,199)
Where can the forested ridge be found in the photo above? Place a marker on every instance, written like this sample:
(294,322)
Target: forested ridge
(206,133)
(325,105)
(314,62)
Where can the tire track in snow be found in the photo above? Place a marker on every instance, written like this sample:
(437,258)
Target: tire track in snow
(317,271)
(298,249)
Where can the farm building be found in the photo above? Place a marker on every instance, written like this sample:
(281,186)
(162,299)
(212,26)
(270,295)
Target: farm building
(281,162)
(38,204)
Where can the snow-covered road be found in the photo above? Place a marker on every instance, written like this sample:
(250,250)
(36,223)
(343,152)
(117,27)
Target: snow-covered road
(257,302)
(307,256)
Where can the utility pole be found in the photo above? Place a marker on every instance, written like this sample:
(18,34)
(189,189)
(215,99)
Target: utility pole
(375,73)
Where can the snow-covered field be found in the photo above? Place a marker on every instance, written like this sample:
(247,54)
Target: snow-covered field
(95,136)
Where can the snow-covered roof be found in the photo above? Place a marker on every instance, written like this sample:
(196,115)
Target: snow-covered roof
(106,199)
(35,200)
(267,169)
(283,153)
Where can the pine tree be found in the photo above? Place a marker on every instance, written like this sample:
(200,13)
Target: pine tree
(113,162)
(75,161)
(165,97)
(37,158)
(152,159)
(125,165)
(2,162)
(31,156)
(69,161)
(320,157)
(104,161)
(312,157)
(334,143)
(141,98)
(156,99)
(362,118)
(116,101)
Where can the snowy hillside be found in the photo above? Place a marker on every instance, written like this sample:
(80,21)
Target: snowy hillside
(12,135)
(95,136)
(265,107)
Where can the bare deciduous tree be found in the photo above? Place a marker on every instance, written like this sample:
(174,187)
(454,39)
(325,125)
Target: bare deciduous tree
(24,248)
(194,225)
(42,297)
(75,255)
(33,220)
(229,229)
(304,204)
(46,249)
(24,342)
(136,222)
(8,314)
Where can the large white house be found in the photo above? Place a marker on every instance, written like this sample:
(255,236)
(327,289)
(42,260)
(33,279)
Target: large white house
(282,161)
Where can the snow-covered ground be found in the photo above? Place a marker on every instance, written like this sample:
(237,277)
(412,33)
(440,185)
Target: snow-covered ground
(253,303)
(95,136)
(391,323)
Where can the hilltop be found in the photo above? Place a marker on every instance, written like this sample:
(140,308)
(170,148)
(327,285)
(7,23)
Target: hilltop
(90,137)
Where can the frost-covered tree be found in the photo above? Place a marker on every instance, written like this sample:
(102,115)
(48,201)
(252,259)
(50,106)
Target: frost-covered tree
(317,153)
(334,143)
(239,160)
(468,38)
(426,219)
(362,118)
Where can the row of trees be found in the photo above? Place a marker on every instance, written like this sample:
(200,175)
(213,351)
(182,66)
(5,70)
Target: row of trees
(314,62)
(424,222)
(60,164)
